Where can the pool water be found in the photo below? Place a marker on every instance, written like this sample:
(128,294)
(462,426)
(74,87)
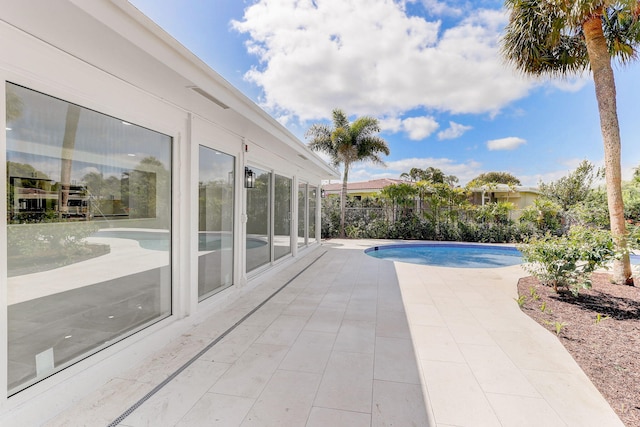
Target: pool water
(449,255)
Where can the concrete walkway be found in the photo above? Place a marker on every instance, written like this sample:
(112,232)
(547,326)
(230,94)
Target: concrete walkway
(356,341)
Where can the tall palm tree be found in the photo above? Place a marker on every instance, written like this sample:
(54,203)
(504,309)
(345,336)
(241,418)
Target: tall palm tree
(560,38)
(346,143)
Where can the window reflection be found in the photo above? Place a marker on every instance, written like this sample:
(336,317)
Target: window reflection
(302,214)
(88,230)
(282,217)
(258,217)
(215,225)
(312,213)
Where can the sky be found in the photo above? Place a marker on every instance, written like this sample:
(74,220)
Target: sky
(430,71)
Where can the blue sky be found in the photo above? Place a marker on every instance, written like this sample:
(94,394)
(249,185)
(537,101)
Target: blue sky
(429,70)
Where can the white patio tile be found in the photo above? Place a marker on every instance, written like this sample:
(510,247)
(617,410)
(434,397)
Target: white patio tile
(103,406)
(356,336)
(395,360)
(325,320)
(424,314)
(532,351)
(392,324)
(250,373)
(217,410)
(324,417)
(437,344)
(265,315)
(520,411)
(585,408)
(347,382)
(285,401)
(360,310)
(173,401)
(231,347)
(469,331)
(397,404)
(283,331)
(495,371)
(456,397)
(155,369)
(310,352)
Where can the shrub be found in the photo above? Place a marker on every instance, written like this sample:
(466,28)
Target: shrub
(568,261)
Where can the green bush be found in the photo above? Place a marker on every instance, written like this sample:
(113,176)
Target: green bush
(568,261)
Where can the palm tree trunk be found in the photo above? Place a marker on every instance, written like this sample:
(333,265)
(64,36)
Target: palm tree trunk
(606,96)
(343,198)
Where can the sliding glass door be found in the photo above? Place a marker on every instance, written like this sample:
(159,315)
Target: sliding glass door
(215,221)
(258,240)
(282,217)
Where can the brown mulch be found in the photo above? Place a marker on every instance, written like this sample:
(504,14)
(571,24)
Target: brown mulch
(601,330)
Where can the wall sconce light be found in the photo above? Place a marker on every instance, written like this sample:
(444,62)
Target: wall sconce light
(323,193)
(249,178)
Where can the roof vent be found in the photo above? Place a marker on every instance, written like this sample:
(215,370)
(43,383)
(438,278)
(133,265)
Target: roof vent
(210,97)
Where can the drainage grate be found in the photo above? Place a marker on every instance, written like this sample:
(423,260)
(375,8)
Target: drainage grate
(157,388)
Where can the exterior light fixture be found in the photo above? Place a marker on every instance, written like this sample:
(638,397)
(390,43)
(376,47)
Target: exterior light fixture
(323,193)
(249,178)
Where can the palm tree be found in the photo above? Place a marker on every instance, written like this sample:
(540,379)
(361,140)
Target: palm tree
(346,143)
(560,38)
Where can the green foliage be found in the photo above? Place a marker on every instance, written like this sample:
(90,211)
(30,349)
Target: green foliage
(498,212)
(568,261)
(33,239)
(571,189)
(559,327)
(521,300)
(544,214)
(593,210)
(495,178)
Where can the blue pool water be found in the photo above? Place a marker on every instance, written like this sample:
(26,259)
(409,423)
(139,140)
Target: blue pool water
(449,254)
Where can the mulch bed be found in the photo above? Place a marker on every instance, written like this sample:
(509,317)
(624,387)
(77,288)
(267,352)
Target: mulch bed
(601,330)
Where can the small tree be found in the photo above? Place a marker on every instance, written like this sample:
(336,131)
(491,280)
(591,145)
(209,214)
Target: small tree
(571,189)
(568,261)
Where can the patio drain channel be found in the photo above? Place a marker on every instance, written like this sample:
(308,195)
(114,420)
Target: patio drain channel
(157,388)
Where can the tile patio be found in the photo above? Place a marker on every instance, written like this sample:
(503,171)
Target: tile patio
(356,341)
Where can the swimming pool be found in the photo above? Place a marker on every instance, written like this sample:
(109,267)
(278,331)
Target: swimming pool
(460,255)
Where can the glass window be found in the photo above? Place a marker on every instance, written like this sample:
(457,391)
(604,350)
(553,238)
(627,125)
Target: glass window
(282,217)
(302,214)
(88,230)
(215,221)
(258,218)
(312,213)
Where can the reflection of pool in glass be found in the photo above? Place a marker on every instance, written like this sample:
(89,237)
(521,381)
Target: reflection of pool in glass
(160,241)
(449,255)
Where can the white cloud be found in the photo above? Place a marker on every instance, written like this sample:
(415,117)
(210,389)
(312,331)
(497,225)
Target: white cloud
(455,130)
(419,128)
(435,7)
(392,124)
(509,143)
(384,62)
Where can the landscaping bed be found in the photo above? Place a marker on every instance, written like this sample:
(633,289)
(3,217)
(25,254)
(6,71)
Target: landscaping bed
(601,330)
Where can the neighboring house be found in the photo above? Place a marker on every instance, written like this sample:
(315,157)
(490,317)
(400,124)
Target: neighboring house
(520,196)
(359,190)
(144,194)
